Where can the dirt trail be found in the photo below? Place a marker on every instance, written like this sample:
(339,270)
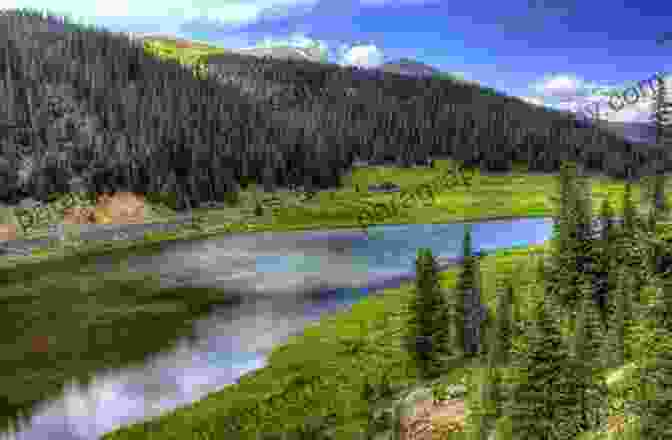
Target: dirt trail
(432,421)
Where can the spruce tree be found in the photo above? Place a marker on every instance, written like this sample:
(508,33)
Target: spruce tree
(463,292)
(655,410)
(629,212)
(606,221)
(615,346)
(428,314)
(570,246)
(486,404)
(540,393)
(500,346)
(480,318)
(661,112)
(659,202)
(588,382)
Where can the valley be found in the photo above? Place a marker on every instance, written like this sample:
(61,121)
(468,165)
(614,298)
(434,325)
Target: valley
(234,177)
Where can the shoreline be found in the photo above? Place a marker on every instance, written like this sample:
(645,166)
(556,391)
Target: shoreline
(103,248)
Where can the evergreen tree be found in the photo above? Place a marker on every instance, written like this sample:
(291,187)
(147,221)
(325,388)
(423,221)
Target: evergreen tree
(480,317)
(568,256)
(661,112)
(463,292)
(588,382)
(626,286)
(605,260)
(615,347)
(651,220)
(502,335)
(606,221)
(540,393)
(428,315)
(486,405)
(659,201)
(258,209)
(655,409)
(629,212)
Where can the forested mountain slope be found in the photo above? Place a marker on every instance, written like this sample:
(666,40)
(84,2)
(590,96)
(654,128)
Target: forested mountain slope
(89,103)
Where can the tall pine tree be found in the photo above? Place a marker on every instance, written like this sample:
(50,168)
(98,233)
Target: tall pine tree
(501,338)
(655,410)
(427,336)
(463,292)
(540,393)
(588,381)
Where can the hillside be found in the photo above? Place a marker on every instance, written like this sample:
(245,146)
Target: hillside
(157,127)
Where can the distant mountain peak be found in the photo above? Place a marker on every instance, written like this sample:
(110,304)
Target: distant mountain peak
(407,66)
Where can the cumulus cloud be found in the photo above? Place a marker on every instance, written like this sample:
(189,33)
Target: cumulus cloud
(364,55)
(568,92)
(564,86)
(533,100)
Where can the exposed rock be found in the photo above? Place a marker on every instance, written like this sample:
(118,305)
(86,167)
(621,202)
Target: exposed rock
(79,215)
(7,232)
(385,187)
(120,208)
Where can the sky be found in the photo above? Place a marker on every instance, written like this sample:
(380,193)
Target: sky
(557,53)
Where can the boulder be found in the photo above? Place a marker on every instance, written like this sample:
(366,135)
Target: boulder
(7,232)
(120,208)
(385,187)
(79,215)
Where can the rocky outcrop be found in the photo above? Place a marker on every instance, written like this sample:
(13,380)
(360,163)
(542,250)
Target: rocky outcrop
(7,232)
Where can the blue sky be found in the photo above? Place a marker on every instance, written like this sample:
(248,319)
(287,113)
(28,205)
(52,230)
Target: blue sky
(550,52)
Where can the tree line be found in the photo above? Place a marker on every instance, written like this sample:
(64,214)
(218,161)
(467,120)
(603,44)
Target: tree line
(90,103)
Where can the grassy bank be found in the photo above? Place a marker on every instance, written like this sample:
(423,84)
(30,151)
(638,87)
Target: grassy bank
(517,194)
(321,372)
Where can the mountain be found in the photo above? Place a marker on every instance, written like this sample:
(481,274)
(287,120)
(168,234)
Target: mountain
(636,132)
(157,128)
(277,52)
(284,53)
(406,66)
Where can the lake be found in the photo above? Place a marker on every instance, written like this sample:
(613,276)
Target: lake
(290,280)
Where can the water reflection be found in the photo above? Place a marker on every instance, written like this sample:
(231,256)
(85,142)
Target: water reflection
(292,278)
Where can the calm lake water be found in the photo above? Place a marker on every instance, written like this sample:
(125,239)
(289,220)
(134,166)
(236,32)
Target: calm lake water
(291,280)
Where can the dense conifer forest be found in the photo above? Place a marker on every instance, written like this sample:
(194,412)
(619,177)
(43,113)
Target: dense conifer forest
(84,102)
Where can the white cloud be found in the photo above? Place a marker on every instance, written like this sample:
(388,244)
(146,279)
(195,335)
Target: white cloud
(570,93)
(360,55)
(533,100)
(563,86)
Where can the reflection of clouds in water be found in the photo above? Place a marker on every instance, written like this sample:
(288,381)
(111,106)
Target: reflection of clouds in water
(227,340)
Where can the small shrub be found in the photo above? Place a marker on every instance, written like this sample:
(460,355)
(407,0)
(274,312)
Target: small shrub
(258,210)
(232,198)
